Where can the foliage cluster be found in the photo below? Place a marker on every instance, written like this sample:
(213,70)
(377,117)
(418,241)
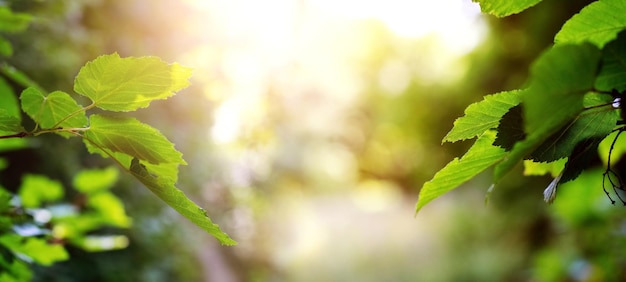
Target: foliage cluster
(568,111)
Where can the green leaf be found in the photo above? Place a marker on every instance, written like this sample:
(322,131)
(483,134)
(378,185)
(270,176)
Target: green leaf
(5,47)
(95,180)
(13,22)
(483,115)
(35,248)
(559,79)
(511,129)
(503,8)
(176,199)
(36,189)
(593,123)
(9,123)
(613,68)
(110,209)
(126,84)
(478,158)
(598,23)
(582,155)
(57,109)
(129,136)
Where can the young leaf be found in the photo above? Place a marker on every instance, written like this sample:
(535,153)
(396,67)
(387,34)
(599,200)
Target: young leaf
(483,115)
(478,158)
(56,109)
(613,70)
(503,8)
(131,137)
(176,199)
(598,23)
(126,84)
(559,79)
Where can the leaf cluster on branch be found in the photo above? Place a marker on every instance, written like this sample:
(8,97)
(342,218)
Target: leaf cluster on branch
(568,111)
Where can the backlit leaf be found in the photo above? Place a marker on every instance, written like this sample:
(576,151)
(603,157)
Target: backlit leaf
(175,198)
(478,158)
(126,84)
(559,79)
(503,8)
(511,129)
(91,181)
(52,110)
(129,136)
(37,189)
(598,23)
(483,115)
(553,168)
(36,248)
(613,68)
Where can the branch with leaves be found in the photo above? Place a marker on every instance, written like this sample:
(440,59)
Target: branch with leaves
(116,84)
(556,124)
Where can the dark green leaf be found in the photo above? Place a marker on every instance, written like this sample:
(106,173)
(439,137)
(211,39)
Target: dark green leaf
(580,159)
(176,199)
(597,23)
(483,115)
(479,157)
(593,123)
(559,79)
(511,129)
(503,8)
(131,137)
(126,84)
(613,68)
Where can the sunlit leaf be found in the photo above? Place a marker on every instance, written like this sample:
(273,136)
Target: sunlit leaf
(110,208)
(483,115)
(535,168)
(126,84)
(559,79)
(598,23)
(129,136)
(176,199)
(503,8)
(36,248)
(37,189)
(478,158)
(593,123)
(612,73)
(52,110)
(91,181)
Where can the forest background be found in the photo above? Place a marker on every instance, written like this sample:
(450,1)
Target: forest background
(313,159)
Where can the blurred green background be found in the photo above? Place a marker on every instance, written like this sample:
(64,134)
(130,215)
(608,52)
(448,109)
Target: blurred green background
(309,128)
